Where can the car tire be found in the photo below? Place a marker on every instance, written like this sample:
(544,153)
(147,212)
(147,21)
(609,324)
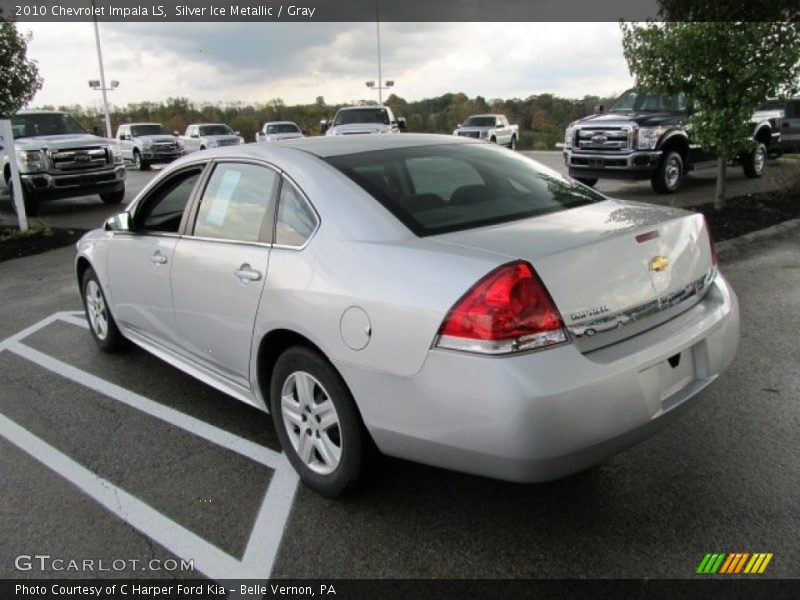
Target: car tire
(101,322)
(31,202)
(667,178)
(589,332)
(139,162)
(753,162)
(113,197)
(493,140)
(588,181)
(328,447)
(202,147)
(513,144)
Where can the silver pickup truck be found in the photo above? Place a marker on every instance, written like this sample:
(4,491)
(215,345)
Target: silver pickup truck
(201,136)
(57,158)
(492,128)
(353,120)
(275,131)
(146,144)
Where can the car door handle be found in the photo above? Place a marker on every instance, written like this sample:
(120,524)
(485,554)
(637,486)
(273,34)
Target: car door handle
(158,258)
(245,274)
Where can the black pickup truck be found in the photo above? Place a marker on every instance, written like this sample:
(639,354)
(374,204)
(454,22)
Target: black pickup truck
(646,136)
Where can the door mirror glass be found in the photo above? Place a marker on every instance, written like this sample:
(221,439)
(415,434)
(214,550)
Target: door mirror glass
(119,222)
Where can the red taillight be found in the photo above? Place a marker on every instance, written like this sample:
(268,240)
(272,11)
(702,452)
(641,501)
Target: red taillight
(714,253)
(506,311)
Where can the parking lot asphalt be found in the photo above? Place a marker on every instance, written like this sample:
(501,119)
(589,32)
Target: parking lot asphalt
(123,457)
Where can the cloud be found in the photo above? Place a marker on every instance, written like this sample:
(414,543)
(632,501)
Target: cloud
(255,62)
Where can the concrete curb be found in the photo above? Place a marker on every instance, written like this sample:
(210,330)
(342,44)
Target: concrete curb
(731,248)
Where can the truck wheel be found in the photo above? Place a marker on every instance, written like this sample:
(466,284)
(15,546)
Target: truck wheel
(753,162)
(31,203)
(493,140)
(668,176)
(113,197)
(141,165)
(589,181)
(202,147)
(513,144)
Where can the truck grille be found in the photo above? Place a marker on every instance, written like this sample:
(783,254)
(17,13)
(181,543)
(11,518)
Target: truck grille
(604,138)
(80,159)
(165,147)
(470,134)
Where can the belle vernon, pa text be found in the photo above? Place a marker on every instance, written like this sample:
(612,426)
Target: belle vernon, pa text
(204,590)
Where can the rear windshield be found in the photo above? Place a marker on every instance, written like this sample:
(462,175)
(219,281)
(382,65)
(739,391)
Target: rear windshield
(452,187)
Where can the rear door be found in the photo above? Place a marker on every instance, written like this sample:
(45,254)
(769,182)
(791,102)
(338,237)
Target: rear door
(220,267)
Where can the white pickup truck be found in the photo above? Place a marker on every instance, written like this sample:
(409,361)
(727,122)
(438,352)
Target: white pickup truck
(146,144)
(356,120)
(275,131)
(209,135)
(493,128)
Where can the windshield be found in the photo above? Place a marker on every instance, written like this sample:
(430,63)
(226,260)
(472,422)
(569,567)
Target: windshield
(642,101)
(44,124)
(362,115)
(140,130)
(216,130)
(282,128)
(451,187)
(479,122)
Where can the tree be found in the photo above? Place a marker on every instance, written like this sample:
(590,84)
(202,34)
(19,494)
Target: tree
(726,69)
(19,77)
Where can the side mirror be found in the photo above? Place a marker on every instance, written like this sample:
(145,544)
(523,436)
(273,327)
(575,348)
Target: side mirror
(458,126)
(119,222)
(324,124)
(237,133)
(598,108)
(176,134)
(125,136)
(401,122)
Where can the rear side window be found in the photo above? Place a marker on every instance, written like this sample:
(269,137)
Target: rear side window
(235,202)
(295,221)
(451,187)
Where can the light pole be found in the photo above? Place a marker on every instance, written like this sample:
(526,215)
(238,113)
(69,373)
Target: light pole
(387,84)
(102,84)
(97,85)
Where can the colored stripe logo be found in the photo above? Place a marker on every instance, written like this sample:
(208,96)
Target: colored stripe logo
(734,563)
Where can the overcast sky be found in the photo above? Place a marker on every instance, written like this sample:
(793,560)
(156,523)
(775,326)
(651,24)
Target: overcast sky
(256,62)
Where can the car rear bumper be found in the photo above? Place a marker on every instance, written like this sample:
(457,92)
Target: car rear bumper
(546,414)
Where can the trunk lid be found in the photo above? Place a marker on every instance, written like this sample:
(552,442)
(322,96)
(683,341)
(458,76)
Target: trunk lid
(613,268)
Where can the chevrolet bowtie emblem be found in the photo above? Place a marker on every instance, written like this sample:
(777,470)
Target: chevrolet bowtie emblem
(659,263)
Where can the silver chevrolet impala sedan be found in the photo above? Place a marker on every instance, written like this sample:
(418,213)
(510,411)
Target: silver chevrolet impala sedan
(433,298)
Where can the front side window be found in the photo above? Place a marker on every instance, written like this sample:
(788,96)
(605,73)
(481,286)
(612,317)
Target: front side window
(451,187)
(163,209)
(295,221)
(235,202)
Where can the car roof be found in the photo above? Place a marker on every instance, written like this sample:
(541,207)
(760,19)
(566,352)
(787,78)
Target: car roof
(130,124)
(325,146)
(205,124)
(486,115)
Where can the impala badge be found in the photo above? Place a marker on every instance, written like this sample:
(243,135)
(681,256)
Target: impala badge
(659,263)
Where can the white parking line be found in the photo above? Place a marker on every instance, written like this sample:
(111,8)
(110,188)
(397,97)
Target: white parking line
(265,537)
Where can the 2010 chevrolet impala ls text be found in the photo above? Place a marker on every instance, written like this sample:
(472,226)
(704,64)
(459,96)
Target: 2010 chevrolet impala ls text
(432,298)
